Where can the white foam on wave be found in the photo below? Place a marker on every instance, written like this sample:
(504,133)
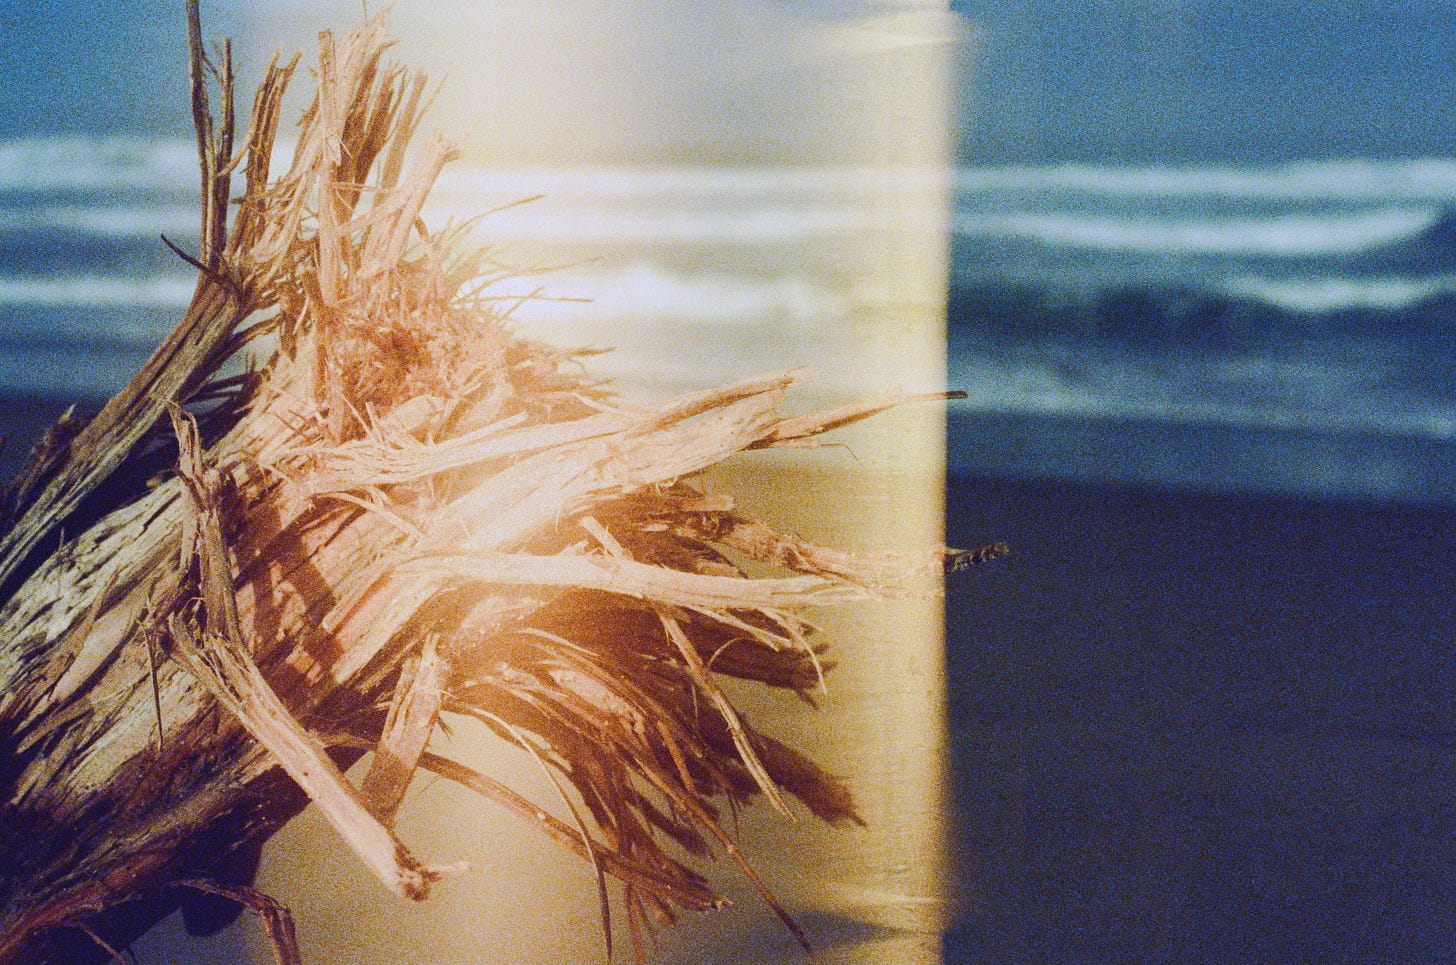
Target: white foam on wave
(633,205)
(552,221)
(643,290)
(105,220)
(690,205)
(1316,395)
(672,329)
(1336,233)
(98,163)
(1343,180)
(648,296)
(1325,295)
(624,184)
(103,291)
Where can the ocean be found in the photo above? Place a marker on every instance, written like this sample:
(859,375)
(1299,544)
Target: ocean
(1188,713)
(1270,329)
(1282,329)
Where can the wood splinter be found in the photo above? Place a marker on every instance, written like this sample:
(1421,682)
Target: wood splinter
(377,528)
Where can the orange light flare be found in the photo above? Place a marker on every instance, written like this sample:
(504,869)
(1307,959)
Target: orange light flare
(719,190)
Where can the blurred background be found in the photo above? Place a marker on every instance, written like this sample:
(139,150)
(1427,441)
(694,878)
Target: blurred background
(1201,295)
(720,190)
(1193,262)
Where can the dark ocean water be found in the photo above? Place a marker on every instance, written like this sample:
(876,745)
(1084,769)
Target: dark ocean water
(87,288)
(1282,329)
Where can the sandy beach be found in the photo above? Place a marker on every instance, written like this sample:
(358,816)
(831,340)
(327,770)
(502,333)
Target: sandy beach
(863,894)
(1183,727)
(868,893)
(1190,727)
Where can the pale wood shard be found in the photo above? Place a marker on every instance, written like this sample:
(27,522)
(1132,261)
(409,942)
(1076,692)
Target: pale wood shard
(109,438)
(406,509)
(413,715)
(218,655)
(641,581)
(802,430)
(237,684)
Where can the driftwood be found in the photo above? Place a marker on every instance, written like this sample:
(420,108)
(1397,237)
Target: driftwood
(224,589)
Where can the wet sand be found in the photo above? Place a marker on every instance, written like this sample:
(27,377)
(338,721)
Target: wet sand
(1190,727)
(1183,727)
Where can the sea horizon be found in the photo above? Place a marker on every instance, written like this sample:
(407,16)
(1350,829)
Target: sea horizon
(1306,300)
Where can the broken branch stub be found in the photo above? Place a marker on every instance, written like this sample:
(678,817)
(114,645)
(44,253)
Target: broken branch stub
(383,524)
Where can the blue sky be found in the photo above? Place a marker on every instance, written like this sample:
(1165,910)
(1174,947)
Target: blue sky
(586,81)
(1100,80)
(1239,80)
(111,65)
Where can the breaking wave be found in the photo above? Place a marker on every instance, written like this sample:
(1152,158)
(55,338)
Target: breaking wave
(1288,236)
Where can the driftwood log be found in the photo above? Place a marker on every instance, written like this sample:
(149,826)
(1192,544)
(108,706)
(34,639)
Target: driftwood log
(232,583)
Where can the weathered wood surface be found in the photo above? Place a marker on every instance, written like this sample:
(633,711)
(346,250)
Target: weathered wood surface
(408,510)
